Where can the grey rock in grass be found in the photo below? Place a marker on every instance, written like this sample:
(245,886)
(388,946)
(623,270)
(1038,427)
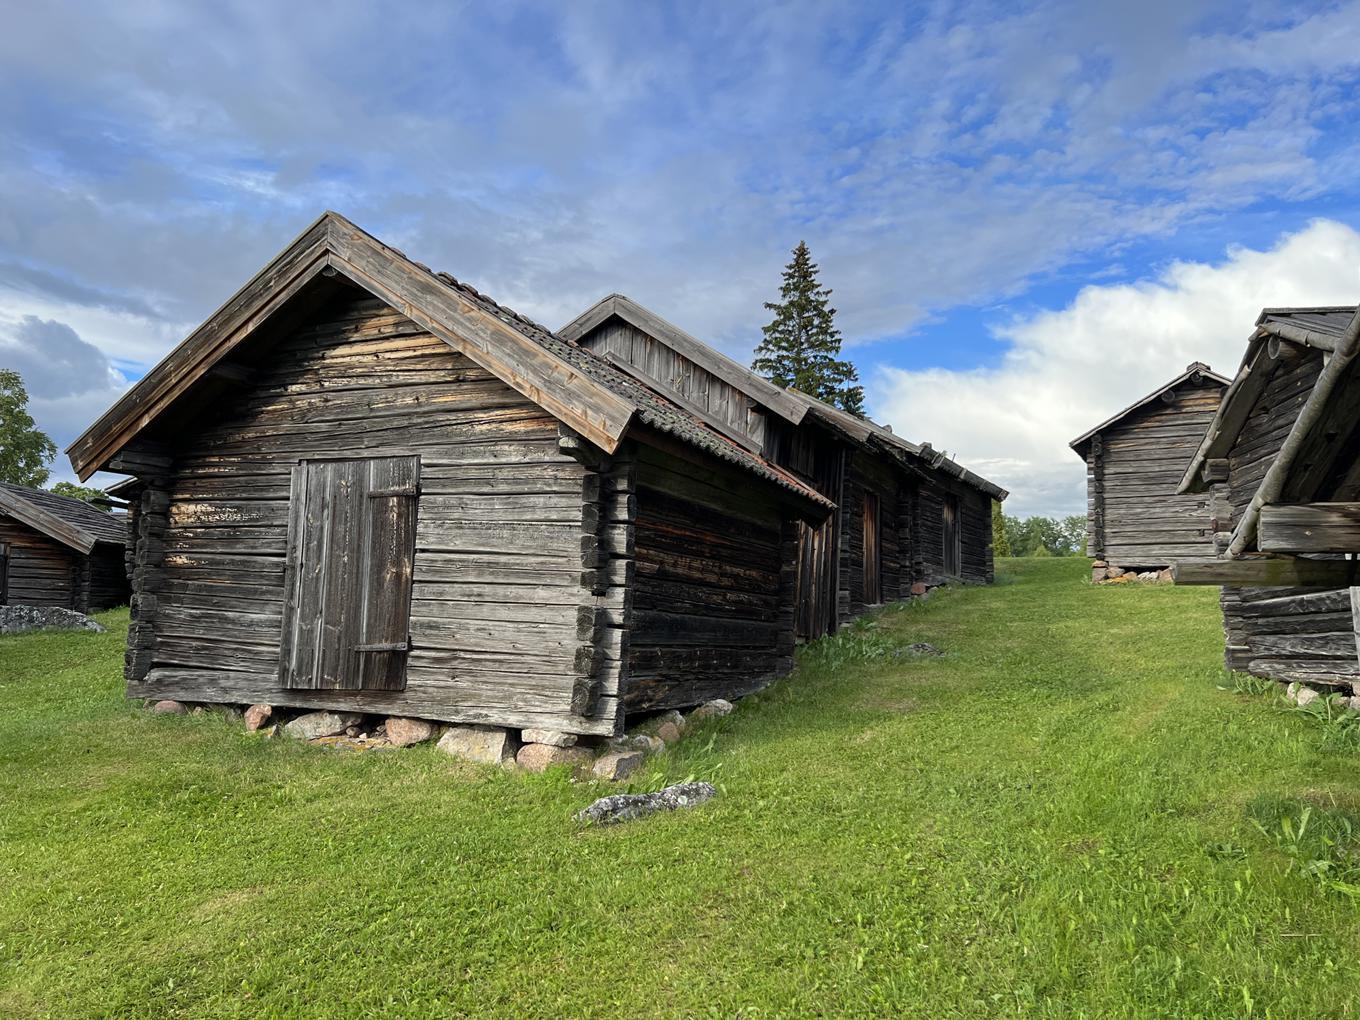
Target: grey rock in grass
(541,757)
(17,619)
(714,709)
(551,737)
(618,765)
(257,716)
(320,724)
(168,707)
(1305,696)
(923,648)
(403,732)
(625,807)
(481,745)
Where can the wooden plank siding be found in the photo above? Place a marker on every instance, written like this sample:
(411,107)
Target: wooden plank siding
(1135,519)
(693,383)
(497,589)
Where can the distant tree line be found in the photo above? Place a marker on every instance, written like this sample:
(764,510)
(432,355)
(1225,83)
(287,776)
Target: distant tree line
(1037,536)
(25,449)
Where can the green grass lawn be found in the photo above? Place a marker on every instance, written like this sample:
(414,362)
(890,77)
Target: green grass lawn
(1057,818)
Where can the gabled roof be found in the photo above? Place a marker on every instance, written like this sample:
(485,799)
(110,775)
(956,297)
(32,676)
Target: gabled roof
(68,521)
(1194,370)
(759,389)
(575,386)
(1318,435)
(1319,328)
(869,433)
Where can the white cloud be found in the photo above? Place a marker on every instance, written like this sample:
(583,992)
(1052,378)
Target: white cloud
(1069,369)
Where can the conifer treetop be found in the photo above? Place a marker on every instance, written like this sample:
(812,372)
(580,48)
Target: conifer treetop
(801,346)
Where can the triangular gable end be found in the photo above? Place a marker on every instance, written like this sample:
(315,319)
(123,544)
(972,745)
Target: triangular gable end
(334,245)
(1198,368)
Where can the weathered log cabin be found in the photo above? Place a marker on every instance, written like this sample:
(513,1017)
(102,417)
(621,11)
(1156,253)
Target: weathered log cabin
(1279,466)
(1135,517)
(364,486)
(908,518)
(59,552)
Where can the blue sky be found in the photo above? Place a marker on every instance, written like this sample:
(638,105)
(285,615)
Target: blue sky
(1029,214)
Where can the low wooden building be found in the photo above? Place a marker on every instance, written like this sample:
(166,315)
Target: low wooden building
(1279,466)
(361,485)
(1135,517)
(57,551)
(907,516)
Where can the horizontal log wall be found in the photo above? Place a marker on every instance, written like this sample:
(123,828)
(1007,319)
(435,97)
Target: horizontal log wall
(42,571)
(1280,633)
(696,384)
(1135,518)
(498,621)
(927,531)
(712,602)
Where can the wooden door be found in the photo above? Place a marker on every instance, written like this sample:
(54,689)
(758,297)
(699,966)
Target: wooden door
(953,552)
(4,574)
(347,585)
(873,572)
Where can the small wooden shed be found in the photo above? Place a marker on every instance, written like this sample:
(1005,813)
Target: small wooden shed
(1135,517)
(1280,464)
(907,516)
(60,552)
(364,486)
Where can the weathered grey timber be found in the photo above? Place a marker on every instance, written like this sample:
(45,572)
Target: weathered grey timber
(356,492)
(1278,463)
(907,515)
(60,552)
(1134,462)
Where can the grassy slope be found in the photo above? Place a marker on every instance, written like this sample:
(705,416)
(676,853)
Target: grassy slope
(1051,820)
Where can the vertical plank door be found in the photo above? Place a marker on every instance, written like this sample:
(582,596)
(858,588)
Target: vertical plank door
(953,548)
(873,575)
(347,583)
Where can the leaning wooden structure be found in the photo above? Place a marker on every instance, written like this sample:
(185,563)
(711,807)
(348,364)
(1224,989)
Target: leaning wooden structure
(907,519)
(59,552)
(1279,464)
(1136,520)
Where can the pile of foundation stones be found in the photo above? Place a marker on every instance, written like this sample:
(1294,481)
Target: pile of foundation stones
(1108,573)
(530,749)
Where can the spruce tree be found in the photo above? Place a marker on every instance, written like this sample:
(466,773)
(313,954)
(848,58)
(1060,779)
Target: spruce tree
(802,346)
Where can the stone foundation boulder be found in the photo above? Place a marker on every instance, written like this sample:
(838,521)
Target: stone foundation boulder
(618,765)
(258,716)
(714,709)
(550,737)
(170,708)
(321,724)
(403,732)
(481,745)
(541,757)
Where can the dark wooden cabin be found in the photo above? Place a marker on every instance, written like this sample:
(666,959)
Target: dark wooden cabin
(1135,517)
(364,486)
(1279,465)
(908,517)
(57,551)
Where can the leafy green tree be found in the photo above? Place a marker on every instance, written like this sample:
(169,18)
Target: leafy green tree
(1044,536)
(84,493)
(1001,544)
(25,450)
(801,345)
